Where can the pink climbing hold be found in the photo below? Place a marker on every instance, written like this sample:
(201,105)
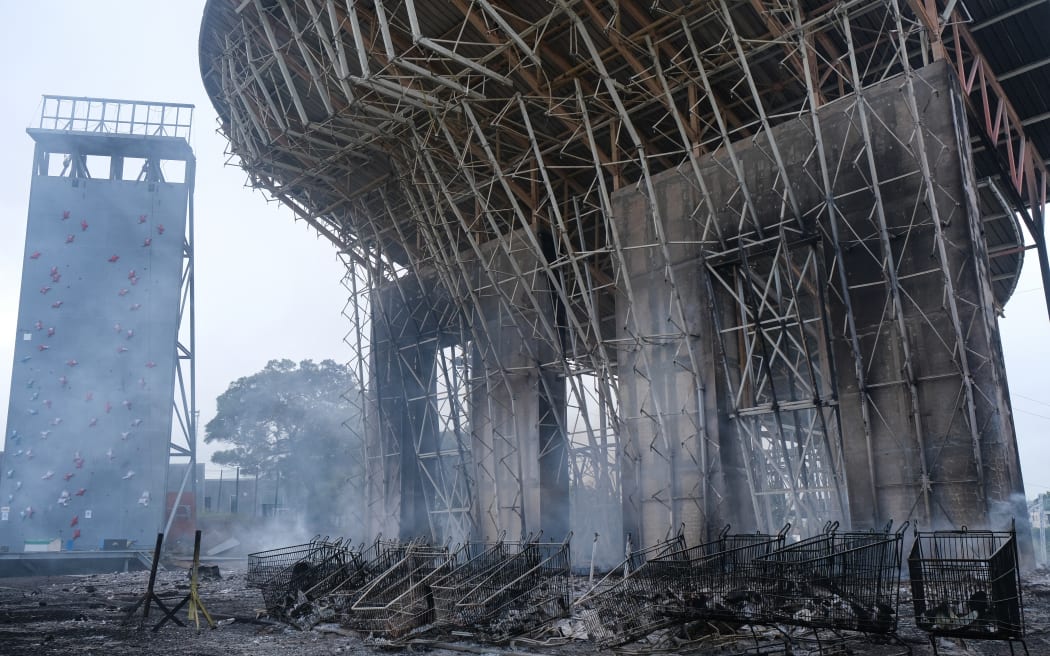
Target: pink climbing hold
(89,396)
(83,225)
(51,331)
(68,475)
(65,214)
(70,238)
(80,492)
(151,364)
(146,242)
(114,258)
(71,363)
(160,228)
(39,325)
(142,218)
(108,407)
(56,304)
(122,349)
(45,289)
(122,292)
(35,255)
(42,347)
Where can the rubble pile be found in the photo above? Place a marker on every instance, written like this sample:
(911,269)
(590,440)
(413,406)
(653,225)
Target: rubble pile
(823,588)
(393,589)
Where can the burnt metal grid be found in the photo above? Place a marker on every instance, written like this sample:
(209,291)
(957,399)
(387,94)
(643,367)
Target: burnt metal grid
(400,599)
(710,581)
(470,129)
(967,584)
(845,581)
(528,588)
(313,570)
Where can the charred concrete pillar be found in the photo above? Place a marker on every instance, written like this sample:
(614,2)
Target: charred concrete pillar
(404,348)
(518,399)
(672,466)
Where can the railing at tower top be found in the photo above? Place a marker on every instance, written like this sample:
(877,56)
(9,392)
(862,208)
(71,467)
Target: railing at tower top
(109,116)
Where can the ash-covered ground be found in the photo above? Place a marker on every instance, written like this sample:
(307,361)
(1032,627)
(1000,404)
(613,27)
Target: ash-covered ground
(87,616)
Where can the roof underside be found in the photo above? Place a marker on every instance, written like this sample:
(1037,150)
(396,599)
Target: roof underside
(528,112)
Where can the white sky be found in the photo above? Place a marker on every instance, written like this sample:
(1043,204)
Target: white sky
(266,286)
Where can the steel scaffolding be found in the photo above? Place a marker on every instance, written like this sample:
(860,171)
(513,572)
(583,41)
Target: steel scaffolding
(475,163)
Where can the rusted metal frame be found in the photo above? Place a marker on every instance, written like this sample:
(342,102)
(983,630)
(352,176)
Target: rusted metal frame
(322,89)
(658,227)
(966,44)
(961,351)
(727,143)
(889,270)
(625,280)
(281,64)
(1026,172)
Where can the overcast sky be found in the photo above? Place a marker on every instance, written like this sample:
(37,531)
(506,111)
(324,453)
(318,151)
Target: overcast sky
(267,287)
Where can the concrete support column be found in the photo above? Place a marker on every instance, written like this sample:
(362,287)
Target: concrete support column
(671,465)
(518,400)
(404,348)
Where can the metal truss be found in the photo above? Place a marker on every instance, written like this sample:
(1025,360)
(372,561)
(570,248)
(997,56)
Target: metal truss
(470,160)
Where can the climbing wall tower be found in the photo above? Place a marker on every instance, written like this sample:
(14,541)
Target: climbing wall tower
(101,342)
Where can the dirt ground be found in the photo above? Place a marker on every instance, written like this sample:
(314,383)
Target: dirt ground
(87,616)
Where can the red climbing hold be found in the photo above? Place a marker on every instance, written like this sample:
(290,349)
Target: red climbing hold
(35,255)
(114,258)
(76,520)
(160,228)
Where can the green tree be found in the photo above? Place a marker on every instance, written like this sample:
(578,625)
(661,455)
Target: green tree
(293,420)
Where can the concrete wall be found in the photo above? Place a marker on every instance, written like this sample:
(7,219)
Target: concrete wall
(90,414)
(950,431)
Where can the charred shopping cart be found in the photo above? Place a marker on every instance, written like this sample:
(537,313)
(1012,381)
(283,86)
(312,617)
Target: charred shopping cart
(966,584)
(291,576)
(400,599)
(841,581)
(508,588)
(679,585)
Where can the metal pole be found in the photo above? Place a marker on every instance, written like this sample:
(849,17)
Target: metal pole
(237,493)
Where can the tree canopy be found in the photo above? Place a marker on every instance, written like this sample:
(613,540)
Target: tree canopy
(293,420)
